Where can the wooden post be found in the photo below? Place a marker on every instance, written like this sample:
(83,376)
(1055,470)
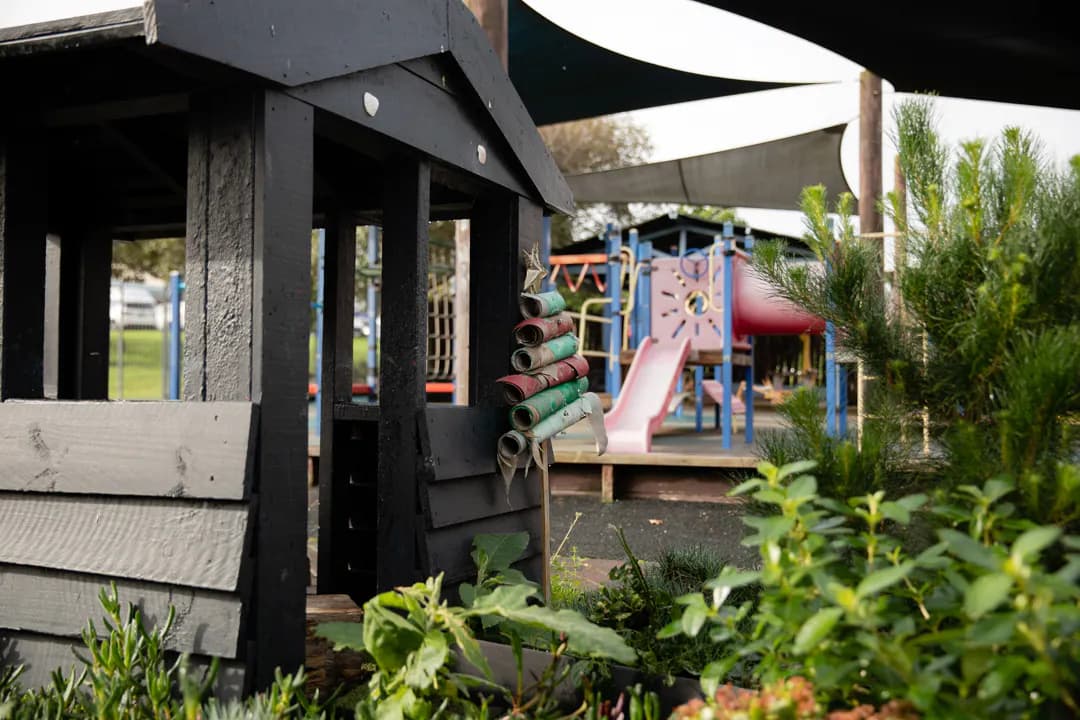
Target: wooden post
(23,225)
(503,228)
(462,270)
(406,209)
(250,176)
(337,368)
(494,18)
(870,219)
(83,342)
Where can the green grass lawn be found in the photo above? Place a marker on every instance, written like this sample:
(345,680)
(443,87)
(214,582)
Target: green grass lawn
(144,355)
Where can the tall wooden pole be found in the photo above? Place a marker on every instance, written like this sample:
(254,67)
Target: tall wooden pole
(494,18)
(870,219)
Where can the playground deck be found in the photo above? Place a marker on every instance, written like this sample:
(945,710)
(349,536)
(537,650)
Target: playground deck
(683,464)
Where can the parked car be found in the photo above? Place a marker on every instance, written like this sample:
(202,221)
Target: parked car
(131,305)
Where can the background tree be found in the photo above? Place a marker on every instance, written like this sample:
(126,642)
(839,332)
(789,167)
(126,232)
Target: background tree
(136,259)
(592,145)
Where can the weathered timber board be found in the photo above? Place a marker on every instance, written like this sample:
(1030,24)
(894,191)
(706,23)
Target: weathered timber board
(41,654)
(480,496)
(462,440)
(60,603)
(171,541)
(198,450)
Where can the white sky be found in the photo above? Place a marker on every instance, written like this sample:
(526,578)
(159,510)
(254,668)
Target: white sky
(27,12)
(693,37)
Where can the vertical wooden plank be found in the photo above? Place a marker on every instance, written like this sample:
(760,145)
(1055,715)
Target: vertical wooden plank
(283,178)
(95,277)
(406,209)
(23,222)
(337,368)
(196,247)
(51,360)
(502,228)
(220,247)
(461,312)
(607,483)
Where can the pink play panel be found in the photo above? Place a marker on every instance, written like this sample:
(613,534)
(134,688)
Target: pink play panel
(681,306)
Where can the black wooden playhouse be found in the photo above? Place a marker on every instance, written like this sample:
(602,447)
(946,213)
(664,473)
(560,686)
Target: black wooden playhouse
(243,124)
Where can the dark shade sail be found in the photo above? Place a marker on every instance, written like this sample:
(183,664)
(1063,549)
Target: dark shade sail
(1019,53)
(561,76)
(767,175)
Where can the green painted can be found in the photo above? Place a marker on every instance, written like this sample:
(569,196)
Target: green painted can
(525,415)
(538,305)
(533,358)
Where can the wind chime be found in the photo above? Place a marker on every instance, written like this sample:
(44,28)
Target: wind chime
(548,392)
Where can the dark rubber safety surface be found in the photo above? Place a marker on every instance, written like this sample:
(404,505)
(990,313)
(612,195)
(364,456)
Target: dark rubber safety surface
(681,524)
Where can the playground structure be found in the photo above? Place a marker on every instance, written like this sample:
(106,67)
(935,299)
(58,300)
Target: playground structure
(168,119)
(695,307)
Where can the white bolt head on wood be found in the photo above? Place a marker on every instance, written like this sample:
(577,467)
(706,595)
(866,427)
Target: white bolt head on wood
(481,154)
(371,104)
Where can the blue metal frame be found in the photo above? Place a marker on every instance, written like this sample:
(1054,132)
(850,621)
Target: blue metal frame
(320,296)
(643,303)
(372,309)
(632,325)
(729,250)
(830,380)
(613,311)
(175,289)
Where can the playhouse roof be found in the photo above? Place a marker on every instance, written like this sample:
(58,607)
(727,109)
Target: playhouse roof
(437,84)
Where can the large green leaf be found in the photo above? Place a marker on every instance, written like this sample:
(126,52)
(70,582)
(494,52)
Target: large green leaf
(986,593)
(388,637)
(1035,540)
(878,580)
(584,638)
(814,630)
(502,549)
(344,635)
(424,664)
(965,548)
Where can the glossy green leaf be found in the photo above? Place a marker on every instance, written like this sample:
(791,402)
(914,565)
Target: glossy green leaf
(965,548)
(879,580)
(424,664)
(797,468)
(502,549)
(730,578)
(1035,540)
(986,593)
(815,629)
(344,635)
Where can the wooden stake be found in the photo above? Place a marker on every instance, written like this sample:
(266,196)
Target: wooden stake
(870,219)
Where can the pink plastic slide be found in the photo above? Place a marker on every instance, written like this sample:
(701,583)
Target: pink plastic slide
(643,400)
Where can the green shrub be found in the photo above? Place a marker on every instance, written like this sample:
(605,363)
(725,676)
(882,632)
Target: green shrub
(127,674)
(984,623)
(983,330)
(414,637)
